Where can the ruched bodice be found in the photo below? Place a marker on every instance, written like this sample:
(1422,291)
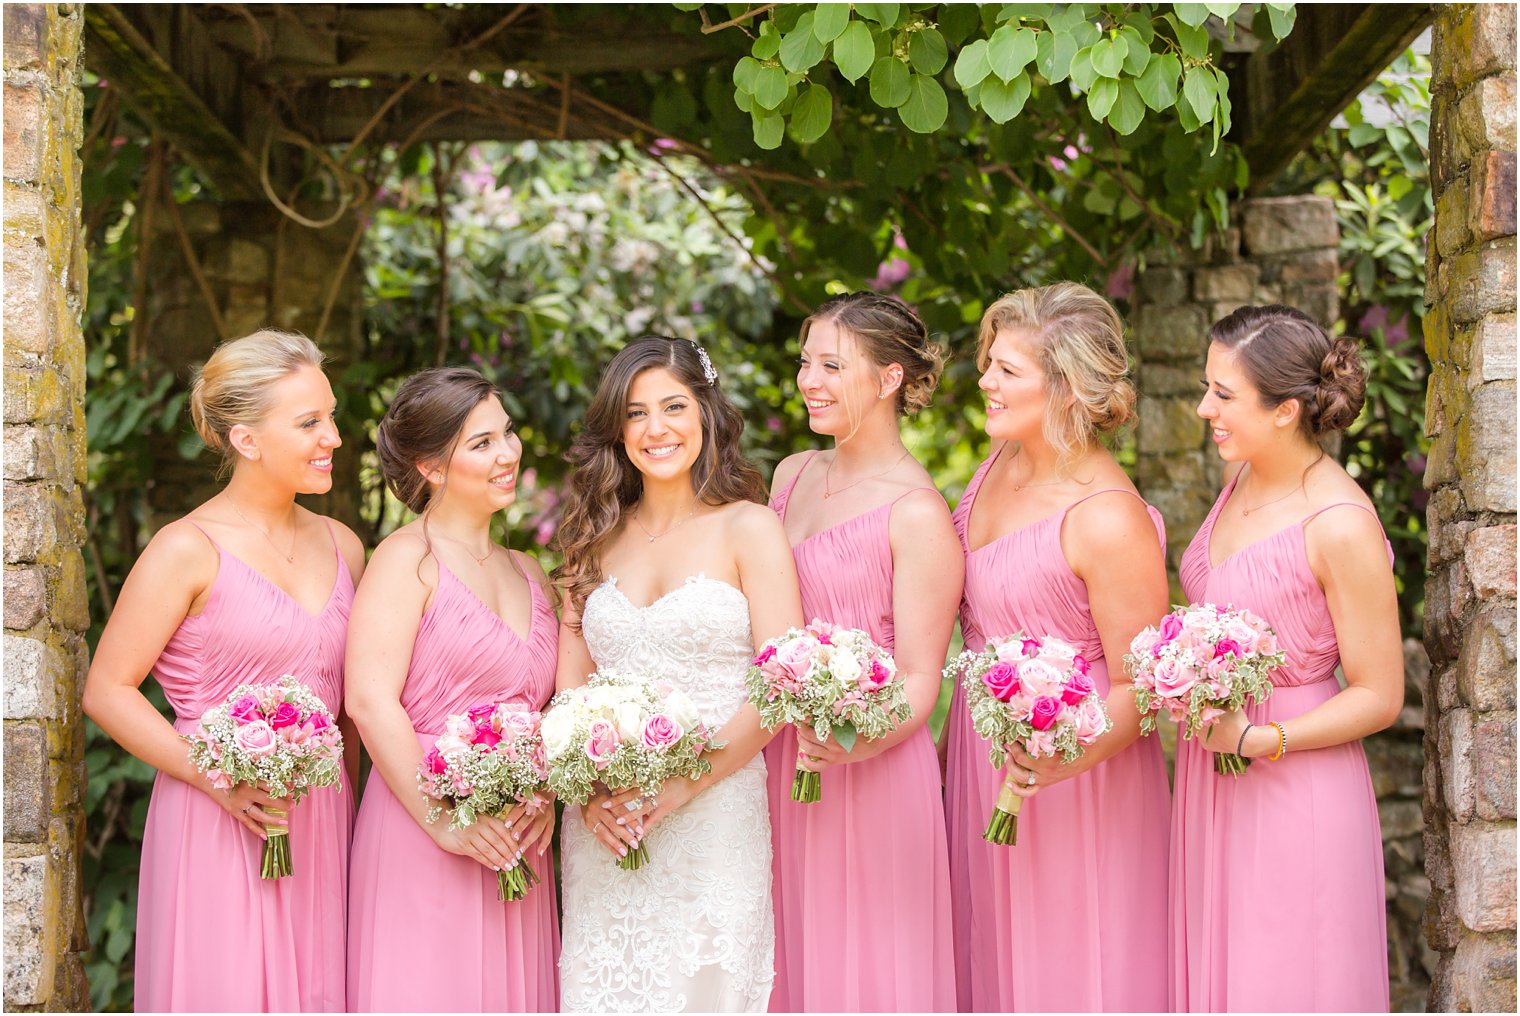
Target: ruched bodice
(466,654)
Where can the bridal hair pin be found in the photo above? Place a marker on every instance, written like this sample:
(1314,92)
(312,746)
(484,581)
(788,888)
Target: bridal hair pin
(708,370)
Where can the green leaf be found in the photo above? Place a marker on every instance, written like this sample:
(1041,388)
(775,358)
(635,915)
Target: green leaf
(1108,56)
(812,114)
(1223,11)
(889,82)
(1010,49)
(1003,100)
(1158,85)
(1398,186)
(1011,11)
(1363,134)
(959,22)
(800,49)
(767,43)
(1082,73)
(829,20)
(769,87)
(884,15)
(971,64)
(927,51)
(1101,99)
(1194,41)
(1199,89)
(1191,15)
(1139,55)
(1282,18)
(768,129)
(926,107)
(686,7)
(744,73)
(846,737)
(1129,108)
(854,50)
(1054,56)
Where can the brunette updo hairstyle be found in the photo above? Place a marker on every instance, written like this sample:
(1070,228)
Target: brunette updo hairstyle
(234,385)
(604,484)
(1078,341)
(1287,355)
(423,425)
(888,332)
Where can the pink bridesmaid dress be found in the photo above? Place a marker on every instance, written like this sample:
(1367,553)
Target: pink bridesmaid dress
(861,882)
(1069,919)
(1277,876)
(211,934)
(426,931)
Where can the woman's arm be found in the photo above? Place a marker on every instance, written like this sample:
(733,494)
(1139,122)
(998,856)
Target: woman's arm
(1349,558)
(928,571)
(1112,546)
(170,579)
(382,629)
(352,550)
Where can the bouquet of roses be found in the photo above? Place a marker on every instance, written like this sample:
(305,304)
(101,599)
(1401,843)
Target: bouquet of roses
(1199,663)
(280,735)
(623,732)
(832,679)
(1033,692)
(486,761)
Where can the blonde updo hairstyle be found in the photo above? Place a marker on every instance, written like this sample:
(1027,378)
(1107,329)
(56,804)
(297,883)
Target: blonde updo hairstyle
(1077,338)
(234,385)
(1287,355)
(887,331)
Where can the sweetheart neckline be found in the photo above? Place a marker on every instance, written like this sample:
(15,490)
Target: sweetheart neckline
(698,577)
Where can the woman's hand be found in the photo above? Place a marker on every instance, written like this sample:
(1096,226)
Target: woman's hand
(1223,735)
(677,792)
(532,823)
(615,825)
(1027,775)
(816,756)
(250,805)
(486,840)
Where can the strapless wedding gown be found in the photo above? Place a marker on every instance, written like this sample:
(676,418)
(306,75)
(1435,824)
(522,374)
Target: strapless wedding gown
(692,929)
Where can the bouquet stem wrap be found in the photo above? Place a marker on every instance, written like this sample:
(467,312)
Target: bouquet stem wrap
(276,860)
(807,786)
(1228,764)
(1003,826)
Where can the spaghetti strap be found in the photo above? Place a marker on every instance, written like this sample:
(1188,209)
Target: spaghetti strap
(1109,490)
(1352,504)
(780,501)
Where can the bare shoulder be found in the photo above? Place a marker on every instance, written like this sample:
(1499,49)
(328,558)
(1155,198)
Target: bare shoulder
(918,507)
(746,520)
(183,549)
(532,569)
(788,468)
(401,555)
(1110,521)
(349,544)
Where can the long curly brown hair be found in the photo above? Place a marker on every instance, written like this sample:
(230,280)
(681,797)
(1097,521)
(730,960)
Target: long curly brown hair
(604,484)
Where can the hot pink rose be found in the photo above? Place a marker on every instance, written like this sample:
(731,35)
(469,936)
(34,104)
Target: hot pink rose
(796,656)
(318,722)
(481,714)
(1230,646)
(765,656)
(1042,716)
(285,714)
(1077,688)
(601,743)
(660,732)
(1171,627)
(436,763)
(1080,665)
(245,709)
(486,736)
(1002,679)
(256,739)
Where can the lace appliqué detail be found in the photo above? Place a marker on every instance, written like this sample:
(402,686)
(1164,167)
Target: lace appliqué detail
(692,929)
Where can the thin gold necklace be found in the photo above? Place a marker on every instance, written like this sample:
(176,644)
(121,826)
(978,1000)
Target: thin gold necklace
(655,536)
(1244,511)
(289,558)
(829,469)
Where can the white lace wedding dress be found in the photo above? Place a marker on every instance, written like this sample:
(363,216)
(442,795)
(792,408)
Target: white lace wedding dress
(692,929)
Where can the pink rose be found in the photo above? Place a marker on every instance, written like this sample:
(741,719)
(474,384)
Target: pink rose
(481,714)
(796,656)
(1090,721)
(1041,678)
(1080,665)
(436,763)
(486,736)
(601,743)
(318,722)
(256,739)
(519,723)
(285,714)
(245,709)
(1002,679)
(1077,688)
(660,732)
(1171,627)
(1173,679)
(1042,716)
(1224,646)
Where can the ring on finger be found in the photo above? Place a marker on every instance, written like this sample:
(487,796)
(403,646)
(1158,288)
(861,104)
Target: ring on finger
(246,807)
(1030,781)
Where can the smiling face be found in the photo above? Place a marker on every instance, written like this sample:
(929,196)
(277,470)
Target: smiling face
(483,468)
(1239,425)
(838,381)
(1014,386)
(293,444)
(662,425)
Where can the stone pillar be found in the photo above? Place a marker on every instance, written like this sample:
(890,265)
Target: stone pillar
(1469,779)
(1286,251)
(46,609)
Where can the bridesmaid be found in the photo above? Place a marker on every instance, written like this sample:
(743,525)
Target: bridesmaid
(446,620)
(246,587)
(862,880)
(1277,876)
(1059,543)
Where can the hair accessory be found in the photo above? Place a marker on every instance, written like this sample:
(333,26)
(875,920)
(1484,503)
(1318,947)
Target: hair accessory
(708,370)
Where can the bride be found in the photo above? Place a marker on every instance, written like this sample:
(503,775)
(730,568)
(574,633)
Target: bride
(673,568)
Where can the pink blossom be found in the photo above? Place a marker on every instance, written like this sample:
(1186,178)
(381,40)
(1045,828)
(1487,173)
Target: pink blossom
(318,722)
(660,732)
(294,733)
(1230,646)
(765,655)
(601,743)
(1043,714)
(219,779)
(874,676)
(460,727)
(245,709)
(1171,627)
(1208,714)
(482,713)
(285,715)
(1080,665)
(256,739)
(1266,644)
(1173,679)
(486,736)
(1030,647)
(1002,679)
(795,656)
(436,763)
(1078,687)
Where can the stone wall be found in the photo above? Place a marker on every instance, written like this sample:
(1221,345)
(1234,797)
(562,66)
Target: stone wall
(1286,250)
(46,609)
(1470,590)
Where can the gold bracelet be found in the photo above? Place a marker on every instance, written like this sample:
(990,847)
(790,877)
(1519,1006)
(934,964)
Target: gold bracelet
(1282,742)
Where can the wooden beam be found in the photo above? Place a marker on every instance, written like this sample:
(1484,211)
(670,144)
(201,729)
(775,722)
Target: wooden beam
(155,84)
(1290,94)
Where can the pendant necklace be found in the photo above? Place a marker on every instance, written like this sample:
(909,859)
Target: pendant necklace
(289,558)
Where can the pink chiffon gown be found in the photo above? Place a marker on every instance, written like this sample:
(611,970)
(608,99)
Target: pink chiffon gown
(1070,918)
(212,936)
(861,884)
(1277,876)
(426,931)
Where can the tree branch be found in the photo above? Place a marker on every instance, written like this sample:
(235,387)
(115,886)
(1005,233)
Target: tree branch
(731,22)
(1054,215)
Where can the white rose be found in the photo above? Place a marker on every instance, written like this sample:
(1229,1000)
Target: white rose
(845,666)
(682,709)
(558,728)
(629,720)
